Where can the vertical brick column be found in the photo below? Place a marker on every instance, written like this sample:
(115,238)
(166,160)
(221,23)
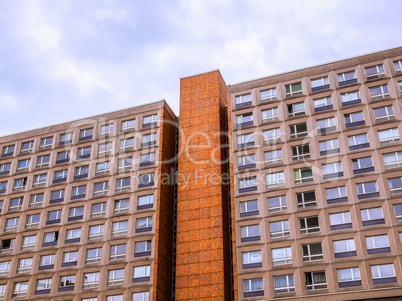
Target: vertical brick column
(203,253)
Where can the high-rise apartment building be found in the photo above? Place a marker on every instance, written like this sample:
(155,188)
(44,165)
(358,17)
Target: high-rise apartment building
(287,187)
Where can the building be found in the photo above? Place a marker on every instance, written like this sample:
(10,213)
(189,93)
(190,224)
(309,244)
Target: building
(282,188)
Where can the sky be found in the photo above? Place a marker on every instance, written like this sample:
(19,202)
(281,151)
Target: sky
(62,60)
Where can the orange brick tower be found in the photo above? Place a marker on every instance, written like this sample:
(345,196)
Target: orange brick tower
(203,244)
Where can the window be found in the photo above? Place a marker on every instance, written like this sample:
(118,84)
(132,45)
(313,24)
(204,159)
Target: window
(95,232)
(63,157)
(91,280)
(150,120)
(301,152)
(86,134)
(312,252)
(145,201)
(73,235)
(252,259)
(127,144)
(332,170)
(24,265)
(126,163)
(245,140)
(144,224)
(383,113)
(358,141)
(336,195)
(367,190)
(20,184)
(347,78)
(32,221)
(303,175)
(350,98)
(27,146)
(53,217)
(1,205)
(56,196)
(128,125)
(39,180)
(66,283)
(20,289)
(3,187)
(93,255)
(142,248)
(8,151)
(243,100)
(247,161)
(354,119)
(362,165)
(145,159)
(66,138)
(276,179)
(379,92)
(398,66)
(377,244)
(296,109)
(23,164)
(349,277)
(272,135)
(293,89)
(70,259)
(319,84)
(60,176)
(114,298)
(284,284)
(273,157)
(322,104)
(247,184)
(306,199)
(372,216)
(340,220)
(142,273)
(326,125)
(123,184)
(149,139)
(98,209)
(121,206)
(115,277)
(282,256)
(3,291)
(248,208)
(100,188)
(120,228)
(78,192)
(344,248)
(143,296)
(12,224)
(107,129)
(83,152)
(400,85)
(146,180)
(42,161)
(269,94)
(398,212)
(298,130)
(76,213)
(270,115)
(244,119)
(383,273)
(253,287)
(118,252)
(46,262)
(388,136)
(309,225)
(15,204)
(279,229)
(105,148)
(374,72)
(7,245)
(4,268)
(277,203)
(102,168)
(5,168)
(316,280)
(50,238)
(250,233)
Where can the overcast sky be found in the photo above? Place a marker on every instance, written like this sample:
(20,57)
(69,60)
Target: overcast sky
(63,60)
